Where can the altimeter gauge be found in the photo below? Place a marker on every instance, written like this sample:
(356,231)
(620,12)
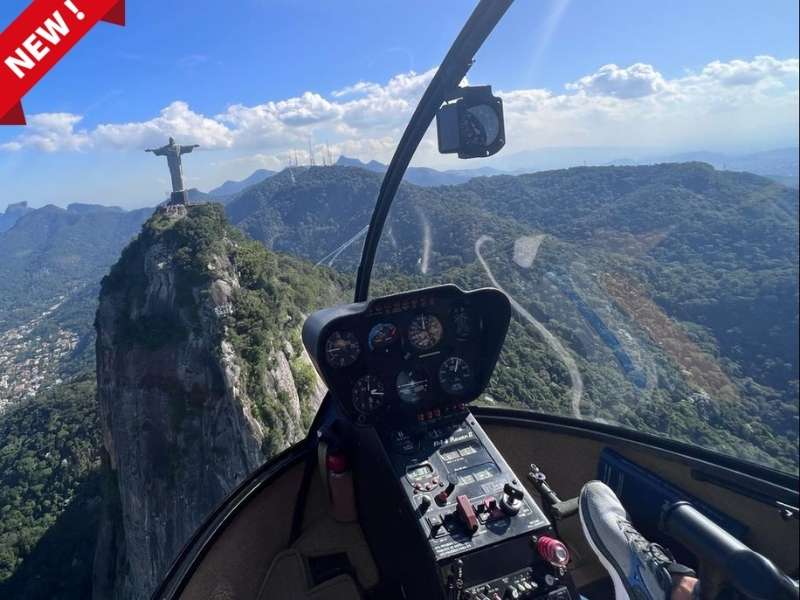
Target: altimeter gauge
(368,394)
(425,331)
(455,376)
(342,349)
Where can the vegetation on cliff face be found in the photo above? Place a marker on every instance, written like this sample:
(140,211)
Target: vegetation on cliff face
(275,293)
(50,493)
(195,375)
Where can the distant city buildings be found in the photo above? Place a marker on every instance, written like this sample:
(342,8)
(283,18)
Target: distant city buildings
(29,363)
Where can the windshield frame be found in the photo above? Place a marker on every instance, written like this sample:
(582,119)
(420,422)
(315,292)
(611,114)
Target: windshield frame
(442,87)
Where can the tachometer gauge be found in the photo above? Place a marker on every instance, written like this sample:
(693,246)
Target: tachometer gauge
(382,336)
(425,331)
(462,322)
(367,394)
(455,376)
(412,384)
(342,349)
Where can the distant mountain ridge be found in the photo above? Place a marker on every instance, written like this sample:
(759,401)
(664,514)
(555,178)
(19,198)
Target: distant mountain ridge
(12,214)
(781,162)
(424,176)
(229,188)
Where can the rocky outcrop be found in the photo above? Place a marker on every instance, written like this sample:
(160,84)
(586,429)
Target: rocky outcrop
(180,424)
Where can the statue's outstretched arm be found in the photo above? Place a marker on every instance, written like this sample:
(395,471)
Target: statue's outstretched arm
(187,149)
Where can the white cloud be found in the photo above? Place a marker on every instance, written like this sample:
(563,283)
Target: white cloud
(51,132)
(176,120)
(635,81)
(362,87)
(738,101)
(741,72)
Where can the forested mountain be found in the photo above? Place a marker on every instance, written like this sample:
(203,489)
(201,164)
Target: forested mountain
(673,285)
(671,291)
(52,263)
(12,214)
(51,252)
(50,493)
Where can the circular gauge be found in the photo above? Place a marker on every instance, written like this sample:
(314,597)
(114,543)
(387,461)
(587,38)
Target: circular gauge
(425,331)
(480,126)
(382,336)
(367,394)
(455,376)
(342,349)
(462,322)
(412,384)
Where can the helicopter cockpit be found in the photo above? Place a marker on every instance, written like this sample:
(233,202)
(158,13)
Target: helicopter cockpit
(406,488)
(404,369)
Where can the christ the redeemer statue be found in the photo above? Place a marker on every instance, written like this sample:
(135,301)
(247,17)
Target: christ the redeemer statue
(173,153)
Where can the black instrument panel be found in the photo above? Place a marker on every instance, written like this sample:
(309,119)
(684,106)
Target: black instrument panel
(419,352)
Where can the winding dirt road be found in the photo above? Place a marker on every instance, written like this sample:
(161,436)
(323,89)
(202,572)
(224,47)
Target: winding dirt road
(576,393)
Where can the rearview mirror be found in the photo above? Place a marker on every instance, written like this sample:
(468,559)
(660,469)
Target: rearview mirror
(471,124)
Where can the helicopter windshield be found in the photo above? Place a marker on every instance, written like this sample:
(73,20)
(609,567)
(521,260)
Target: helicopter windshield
(654,283)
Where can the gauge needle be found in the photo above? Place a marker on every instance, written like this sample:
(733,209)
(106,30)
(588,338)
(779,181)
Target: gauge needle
(411,383)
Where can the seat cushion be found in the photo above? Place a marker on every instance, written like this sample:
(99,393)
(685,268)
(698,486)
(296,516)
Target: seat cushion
(288,579)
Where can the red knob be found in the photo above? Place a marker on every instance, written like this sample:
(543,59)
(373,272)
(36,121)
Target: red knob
(553,551)
(337,463)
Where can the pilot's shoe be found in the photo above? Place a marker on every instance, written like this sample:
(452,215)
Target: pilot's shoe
(640,570)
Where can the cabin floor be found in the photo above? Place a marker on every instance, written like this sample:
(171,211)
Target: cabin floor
(252,559)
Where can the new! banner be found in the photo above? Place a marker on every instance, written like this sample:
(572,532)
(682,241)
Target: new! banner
(38,39)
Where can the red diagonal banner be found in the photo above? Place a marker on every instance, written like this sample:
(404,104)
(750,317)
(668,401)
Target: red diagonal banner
(37,40)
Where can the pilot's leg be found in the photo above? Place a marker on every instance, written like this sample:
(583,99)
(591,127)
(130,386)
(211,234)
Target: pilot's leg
(639,569)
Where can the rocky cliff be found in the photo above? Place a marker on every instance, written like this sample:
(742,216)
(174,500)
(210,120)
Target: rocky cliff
(200,378)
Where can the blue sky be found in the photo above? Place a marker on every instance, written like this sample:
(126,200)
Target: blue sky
(252,80)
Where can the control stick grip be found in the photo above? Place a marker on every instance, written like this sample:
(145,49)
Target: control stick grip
(754,575)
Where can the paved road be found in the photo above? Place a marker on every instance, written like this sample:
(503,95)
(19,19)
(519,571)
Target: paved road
(576,393)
